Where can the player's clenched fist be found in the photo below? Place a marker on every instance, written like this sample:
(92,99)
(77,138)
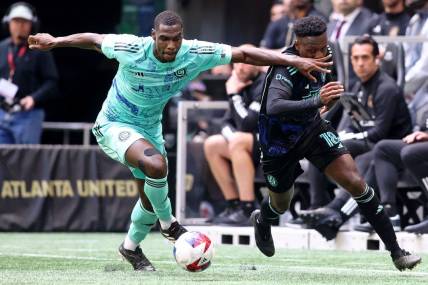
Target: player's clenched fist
(41,42)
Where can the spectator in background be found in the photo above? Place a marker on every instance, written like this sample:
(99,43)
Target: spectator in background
(234,154)
(393,21)
(391,157)
(349,18)
(31,73)
(416,55)
(277,11)
(384,102)
(221,70)
(280,33)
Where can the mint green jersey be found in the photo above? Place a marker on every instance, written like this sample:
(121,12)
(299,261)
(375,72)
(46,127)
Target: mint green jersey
(143,85)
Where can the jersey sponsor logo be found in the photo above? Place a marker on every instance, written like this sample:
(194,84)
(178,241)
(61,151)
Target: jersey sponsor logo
(169,77)
(139,89)
(281,77)
(124,135)
(272,181)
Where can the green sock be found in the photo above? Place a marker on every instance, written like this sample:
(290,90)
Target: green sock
(157,192)
(142,221)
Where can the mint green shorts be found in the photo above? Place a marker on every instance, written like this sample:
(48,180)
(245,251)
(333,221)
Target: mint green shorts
(115,138)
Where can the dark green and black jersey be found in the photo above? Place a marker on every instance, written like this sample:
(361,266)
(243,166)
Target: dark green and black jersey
(289,107)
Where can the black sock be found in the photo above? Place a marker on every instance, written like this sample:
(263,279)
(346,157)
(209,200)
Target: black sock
(267,214)
(376,216)
(232,204)
(247,207)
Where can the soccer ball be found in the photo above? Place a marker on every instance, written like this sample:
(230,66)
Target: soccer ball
(193,251)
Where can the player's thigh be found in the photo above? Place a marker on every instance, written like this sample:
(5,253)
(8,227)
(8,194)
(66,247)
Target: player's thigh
(216,145)
(330,156)
(280,172)
(116,138)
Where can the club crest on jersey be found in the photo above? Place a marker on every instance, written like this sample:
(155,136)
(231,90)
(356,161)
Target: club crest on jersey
(123,136)
(180,73)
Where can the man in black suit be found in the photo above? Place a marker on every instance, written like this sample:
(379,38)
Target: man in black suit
(348,19)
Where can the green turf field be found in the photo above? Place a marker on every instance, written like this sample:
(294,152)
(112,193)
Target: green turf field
(92,259)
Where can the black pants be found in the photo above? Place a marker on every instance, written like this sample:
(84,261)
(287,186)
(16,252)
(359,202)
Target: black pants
(391,157)
(319,183)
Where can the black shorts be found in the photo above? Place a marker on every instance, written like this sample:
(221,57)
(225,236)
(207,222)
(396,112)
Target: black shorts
(321,146)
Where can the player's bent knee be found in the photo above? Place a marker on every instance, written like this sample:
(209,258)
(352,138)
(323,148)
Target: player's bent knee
(154,167)
(354,184)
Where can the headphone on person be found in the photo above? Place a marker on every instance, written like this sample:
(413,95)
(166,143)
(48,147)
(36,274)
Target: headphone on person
(35,25)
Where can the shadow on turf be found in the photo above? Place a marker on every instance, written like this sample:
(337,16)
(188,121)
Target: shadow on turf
(116,267)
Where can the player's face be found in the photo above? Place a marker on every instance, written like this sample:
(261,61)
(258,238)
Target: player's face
(312,47)
(167,42)
(363,61)
(19,29)
(391,3)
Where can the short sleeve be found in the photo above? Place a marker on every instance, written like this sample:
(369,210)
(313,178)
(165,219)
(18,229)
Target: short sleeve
(211,54)
(124,48)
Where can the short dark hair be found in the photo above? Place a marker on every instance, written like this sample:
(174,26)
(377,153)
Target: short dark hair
(310,26)
(168,18)
(366,39)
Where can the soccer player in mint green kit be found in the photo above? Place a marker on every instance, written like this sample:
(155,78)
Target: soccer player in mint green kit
(128,128)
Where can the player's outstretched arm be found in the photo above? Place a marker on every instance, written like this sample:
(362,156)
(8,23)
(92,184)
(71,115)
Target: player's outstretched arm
(257,56)
(47,42)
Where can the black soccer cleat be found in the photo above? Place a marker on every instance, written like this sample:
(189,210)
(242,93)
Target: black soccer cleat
(405,260)
(173,232)
(137,259)
(324,220)
(262,235)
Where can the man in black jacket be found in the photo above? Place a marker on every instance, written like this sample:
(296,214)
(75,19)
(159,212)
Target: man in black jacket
(291,129)
(234,154)
(392,22)
(279,33)
(32,73)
